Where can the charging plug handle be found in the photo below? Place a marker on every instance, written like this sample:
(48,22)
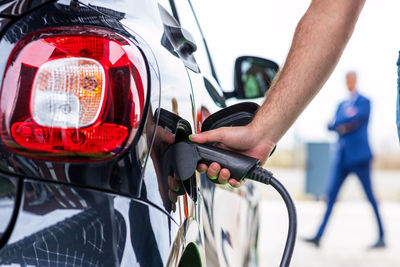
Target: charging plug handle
(184,157)
(239,165)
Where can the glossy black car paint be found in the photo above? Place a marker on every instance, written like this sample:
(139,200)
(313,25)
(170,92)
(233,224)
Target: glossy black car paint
(118,212)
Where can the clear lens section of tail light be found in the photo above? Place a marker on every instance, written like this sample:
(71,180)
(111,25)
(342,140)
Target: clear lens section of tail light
(71,93)
(68,92)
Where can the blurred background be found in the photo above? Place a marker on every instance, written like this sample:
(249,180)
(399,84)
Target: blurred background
(265,29)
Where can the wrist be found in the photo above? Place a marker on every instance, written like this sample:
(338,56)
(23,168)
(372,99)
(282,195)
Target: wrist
(260,136)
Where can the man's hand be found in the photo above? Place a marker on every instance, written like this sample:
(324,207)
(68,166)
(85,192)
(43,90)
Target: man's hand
(245,140)
(318,43)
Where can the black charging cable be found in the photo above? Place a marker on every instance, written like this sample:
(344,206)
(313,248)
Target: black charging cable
(266,177)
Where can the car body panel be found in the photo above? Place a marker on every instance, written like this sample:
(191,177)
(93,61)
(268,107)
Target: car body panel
(14,8)
(9,202)
(128,194)
(59,224)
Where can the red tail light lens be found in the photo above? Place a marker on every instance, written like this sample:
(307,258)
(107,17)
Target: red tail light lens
(72,92)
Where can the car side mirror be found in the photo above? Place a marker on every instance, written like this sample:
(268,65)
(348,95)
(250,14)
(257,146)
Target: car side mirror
(252,77)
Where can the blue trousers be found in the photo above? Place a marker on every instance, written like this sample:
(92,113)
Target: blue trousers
(338,175)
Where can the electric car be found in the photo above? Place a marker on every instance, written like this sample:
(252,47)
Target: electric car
(91,96)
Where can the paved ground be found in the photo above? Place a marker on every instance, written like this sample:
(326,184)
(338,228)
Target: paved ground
(350,231)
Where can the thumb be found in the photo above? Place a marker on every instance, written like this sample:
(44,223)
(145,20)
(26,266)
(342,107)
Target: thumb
(209,136)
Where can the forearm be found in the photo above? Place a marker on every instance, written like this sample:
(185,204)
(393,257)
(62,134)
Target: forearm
(318,43)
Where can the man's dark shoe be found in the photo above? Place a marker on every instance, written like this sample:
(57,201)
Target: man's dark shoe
(379,244)
(314,241)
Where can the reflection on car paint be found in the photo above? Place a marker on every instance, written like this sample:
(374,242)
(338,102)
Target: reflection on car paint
(95,235)
(8,195)
(18,7)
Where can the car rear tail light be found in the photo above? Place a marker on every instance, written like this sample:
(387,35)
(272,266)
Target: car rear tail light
(71,93)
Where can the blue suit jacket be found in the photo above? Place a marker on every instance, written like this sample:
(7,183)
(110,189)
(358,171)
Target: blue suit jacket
(351,123)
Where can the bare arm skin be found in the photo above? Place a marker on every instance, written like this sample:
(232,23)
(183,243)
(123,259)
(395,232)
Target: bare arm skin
(318,42)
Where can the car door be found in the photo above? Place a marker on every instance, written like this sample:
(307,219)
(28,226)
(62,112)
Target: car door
(229,213)
(176,101)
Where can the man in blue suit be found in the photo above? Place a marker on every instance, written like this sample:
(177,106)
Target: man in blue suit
(353,154)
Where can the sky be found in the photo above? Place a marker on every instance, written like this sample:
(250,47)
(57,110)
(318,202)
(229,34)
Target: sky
(265,28)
